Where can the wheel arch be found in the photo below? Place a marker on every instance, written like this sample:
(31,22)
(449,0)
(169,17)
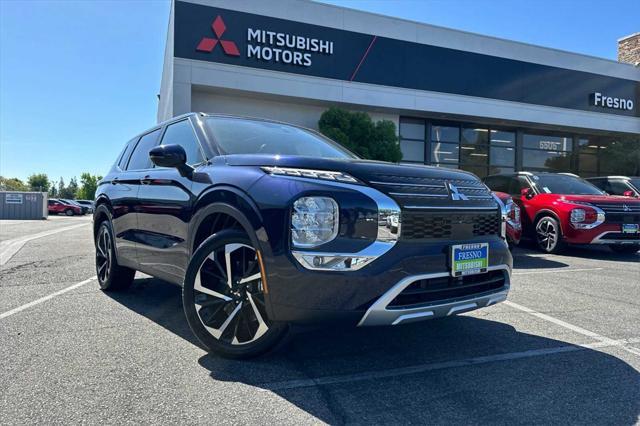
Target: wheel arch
(551,213)
(231,202)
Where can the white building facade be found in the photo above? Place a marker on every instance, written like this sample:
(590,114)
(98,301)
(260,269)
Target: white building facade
(458,99)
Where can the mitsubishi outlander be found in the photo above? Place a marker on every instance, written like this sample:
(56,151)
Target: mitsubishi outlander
(266,224)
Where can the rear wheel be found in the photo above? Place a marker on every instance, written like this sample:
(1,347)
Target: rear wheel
(624,248)
(224,297)
(111,276)
(549,235)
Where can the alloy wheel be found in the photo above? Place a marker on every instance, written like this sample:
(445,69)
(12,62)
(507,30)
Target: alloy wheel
(547,234)
(103,254)
(229,295)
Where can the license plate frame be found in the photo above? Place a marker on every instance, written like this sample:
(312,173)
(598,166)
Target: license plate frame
(630,228)
(469,259)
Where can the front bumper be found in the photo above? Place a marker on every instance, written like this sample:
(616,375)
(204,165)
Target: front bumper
(381,313)
(361,297)
(607,233)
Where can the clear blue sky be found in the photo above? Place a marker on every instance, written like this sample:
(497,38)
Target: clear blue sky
(78,78)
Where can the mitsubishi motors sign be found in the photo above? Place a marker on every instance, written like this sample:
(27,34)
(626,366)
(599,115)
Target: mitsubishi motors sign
(216,35)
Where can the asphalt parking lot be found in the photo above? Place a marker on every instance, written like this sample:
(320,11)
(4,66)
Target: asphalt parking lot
(564,349)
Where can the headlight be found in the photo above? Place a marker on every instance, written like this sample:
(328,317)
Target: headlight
(308,173)
(314,221)
(578,215)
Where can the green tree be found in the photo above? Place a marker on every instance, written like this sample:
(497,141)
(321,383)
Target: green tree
(12,184)
(72,188)
(88,186)
(358,133)
(61,188)
(38,182)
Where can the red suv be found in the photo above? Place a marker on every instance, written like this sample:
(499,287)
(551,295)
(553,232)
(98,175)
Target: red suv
(560,209)
(57,207)
(514,224)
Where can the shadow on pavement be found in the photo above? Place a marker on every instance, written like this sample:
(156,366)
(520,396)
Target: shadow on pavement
(596,252)
(458,385)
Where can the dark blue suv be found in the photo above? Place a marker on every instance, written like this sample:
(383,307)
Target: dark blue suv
(266,224)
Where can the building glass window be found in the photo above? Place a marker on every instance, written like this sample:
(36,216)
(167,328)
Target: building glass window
(445,134)
(547,152)
(412,139)
(444,152)
(473,136)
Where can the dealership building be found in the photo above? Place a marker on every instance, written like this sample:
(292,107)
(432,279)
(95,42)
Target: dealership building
(458,99)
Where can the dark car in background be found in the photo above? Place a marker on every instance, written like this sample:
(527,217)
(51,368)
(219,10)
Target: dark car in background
(625,186)
(87,204)
(560,209)
(267,224)
(56,206)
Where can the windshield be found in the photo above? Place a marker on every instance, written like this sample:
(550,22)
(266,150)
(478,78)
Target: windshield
(244,136)
(563,184)
(635,182)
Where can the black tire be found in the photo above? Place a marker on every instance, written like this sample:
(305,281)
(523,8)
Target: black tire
(548,235)
(69,212)
(237,325)
(111,276)
(624,248)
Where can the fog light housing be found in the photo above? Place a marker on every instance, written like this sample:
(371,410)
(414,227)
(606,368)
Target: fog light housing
(314,221)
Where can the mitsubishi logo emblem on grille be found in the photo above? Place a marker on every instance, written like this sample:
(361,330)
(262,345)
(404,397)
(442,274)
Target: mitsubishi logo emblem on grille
(626,208)
(455,194)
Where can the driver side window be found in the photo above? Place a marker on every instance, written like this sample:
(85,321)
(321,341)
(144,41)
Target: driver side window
(517,184)
(181,133)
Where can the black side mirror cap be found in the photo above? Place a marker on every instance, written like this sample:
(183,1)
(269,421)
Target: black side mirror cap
(171,156)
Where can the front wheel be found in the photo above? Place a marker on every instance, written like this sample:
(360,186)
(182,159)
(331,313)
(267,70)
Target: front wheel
(549,235)
(625,249)
(68,212)
(224,297)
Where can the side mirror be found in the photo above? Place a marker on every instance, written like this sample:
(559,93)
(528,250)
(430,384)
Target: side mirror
(628,194)
(527,193)
(171,156)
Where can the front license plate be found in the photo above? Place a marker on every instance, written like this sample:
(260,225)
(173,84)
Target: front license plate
(469,259)
(630,228)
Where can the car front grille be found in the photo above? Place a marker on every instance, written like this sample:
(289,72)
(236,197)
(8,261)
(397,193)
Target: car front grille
(428,291)
(423,192)
(620,212)
(452,225)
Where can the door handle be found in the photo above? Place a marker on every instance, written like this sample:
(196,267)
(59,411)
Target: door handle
(146,180)
(114,181)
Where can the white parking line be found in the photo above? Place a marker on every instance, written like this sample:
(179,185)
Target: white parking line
(571,327)
(9,248)
(45,298)
(549,271)
(417,369)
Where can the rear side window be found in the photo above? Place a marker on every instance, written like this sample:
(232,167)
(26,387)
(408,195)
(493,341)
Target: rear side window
(140,158)
(125,154)
(181,133)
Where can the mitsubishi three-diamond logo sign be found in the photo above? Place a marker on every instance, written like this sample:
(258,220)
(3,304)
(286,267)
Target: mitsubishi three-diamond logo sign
(264,45)
(207,44)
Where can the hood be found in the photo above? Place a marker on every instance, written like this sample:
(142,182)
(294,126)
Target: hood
(597,198)
(411,186)
(361,169)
